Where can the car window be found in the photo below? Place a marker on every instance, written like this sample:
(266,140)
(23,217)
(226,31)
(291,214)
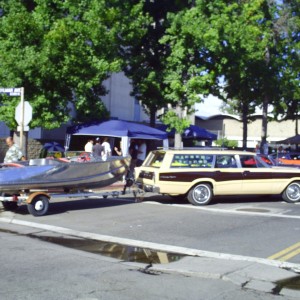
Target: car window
(192,161)
(295,156)
(268,160)
(156,160)
(248,161)
(226,161)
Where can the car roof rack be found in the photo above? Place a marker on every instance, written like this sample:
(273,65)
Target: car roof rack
(191,148)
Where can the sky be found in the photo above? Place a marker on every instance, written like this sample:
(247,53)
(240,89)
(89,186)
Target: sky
(210,106)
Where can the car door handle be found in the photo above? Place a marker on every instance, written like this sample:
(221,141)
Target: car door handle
(245,173)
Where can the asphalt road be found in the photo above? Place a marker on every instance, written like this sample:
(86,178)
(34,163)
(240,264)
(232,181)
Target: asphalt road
(239,230)
(261,227)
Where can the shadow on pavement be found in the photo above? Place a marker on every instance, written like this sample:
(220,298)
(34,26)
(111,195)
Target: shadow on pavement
(63,206)
(247,199)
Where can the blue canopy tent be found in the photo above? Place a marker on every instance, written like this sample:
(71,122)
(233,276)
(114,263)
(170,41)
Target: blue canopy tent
(119,128)
(196,132)
(192,132)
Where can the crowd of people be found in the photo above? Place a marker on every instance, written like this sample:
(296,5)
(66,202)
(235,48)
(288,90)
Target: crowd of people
(101,149)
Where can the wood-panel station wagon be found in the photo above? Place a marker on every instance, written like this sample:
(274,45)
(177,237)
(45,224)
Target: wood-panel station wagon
(201,174)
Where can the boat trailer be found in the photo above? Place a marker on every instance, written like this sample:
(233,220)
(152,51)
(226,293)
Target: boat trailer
(38,201)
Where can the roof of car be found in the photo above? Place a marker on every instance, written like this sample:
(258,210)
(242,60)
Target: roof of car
(205,151)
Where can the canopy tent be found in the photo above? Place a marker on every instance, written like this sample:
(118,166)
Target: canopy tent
(291,140)
(192,132)
(121,129)
(196,132)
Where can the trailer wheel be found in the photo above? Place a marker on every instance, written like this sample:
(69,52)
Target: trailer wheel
(11,206)
(8,205)
(39,205)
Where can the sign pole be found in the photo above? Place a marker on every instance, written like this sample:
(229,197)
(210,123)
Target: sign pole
(22,121)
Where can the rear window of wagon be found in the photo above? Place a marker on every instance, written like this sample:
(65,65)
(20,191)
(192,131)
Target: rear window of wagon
(156,159)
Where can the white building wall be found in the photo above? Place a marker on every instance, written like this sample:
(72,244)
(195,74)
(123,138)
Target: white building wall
(232,129)
(119,102)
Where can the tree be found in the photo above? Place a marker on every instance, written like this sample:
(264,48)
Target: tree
(145,58)
(60,52)
(233,47)
(288,26)
(188,71)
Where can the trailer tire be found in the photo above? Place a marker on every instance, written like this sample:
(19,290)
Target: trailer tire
(38,206)
(9,206)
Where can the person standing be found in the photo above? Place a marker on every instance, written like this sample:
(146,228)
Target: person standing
(107,148)
(133,151)
(89,146)
(98,150)
(14,152)
(141,153)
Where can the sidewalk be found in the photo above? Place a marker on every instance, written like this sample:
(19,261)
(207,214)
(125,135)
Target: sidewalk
(247,275)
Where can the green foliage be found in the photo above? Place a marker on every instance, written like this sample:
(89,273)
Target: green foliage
(245,52)
(171,119)
(61,52)
(224,142)
(235,50)
(145,58)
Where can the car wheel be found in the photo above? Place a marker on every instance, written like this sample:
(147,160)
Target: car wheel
(38,206)
(200,194)
(292,193)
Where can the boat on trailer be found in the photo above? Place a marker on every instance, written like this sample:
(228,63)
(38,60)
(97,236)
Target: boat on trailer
(37,180)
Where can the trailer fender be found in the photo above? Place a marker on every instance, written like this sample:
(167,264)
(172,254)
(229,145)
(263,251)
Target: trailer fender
(33,195)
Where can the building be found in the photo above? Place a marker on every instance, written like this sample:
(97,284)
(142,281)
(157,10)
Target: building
(209,115)
(118,102)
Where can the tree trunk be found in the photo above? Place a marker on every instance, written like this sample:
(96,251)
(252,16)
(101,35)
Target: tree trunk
(177,140)
(264,123)
(152,117)
(245,126)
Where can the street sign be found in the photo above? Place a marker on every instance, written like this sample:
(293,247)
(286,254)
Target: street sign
(11,91)
(27,113)
(25,128)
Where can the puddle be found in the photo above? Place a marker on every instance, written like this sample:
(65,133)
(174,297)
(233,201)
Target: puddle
(254,210)
(292,283)
(118,251)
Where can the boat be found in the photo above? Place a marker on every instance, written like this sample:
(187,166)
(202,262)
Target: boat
(35,181)
(47,174)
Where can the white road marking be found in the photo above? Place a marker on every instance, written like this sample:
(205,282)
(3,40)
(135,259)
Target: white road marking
(226,211)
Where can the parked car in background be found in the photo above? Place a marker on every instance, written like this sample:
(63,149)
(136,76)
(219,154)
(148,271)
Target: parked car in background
(201,174)
(286,158)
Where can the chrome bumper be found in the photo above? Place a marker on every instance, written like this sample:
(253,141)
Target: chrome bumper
(148,188)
